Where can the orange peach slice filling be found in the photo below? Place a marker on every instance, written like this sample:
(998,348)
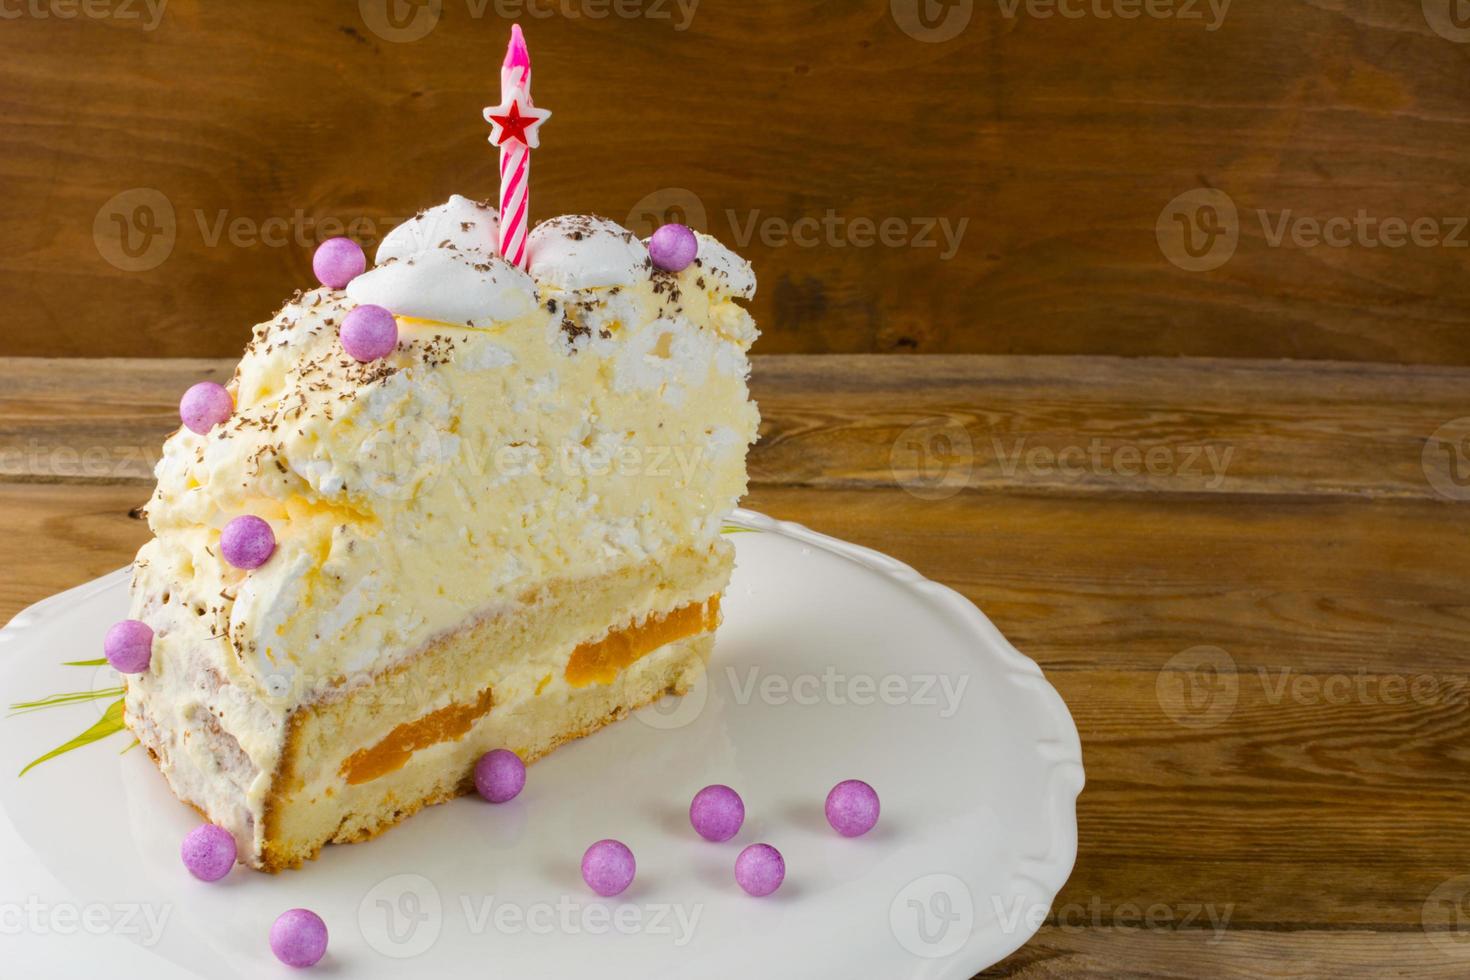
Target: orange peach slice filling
(597,662)
(393,752)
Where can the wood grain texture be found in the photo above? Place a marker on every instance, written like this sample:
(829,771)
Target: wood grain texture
(1058,141)
(932,425)
(1188,954)
(1271,678)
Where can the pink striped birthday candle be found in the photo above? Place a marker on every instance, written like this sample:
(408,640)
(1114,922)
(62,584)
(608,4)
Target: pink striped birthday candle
(515,125)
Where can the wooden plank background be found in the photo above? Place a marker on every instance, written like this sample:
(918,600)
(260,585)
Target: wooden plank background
(166,170)
(1309,827)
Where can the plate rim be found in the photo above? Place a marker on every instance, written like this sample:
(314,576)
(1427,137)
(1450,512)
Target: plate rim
(1061,753)
(1065,776)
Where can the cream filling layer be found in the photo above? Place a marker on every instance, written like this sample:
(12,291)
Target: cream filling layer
(488,457)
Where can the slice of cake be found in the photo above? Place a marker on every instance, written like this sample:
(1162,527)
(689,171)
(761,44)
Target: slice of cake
(503,533)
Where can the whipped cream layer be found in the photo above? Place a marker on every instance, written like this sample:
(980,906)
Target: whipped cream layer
(527,427)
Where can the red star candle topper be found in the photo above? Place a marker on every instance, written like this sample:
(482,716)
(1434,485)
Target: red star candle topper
(515,126)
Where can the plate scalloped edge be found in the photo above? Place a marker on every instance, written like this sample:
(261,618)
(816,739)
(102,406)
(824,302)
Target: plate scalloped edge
(1047,872)
(54,604)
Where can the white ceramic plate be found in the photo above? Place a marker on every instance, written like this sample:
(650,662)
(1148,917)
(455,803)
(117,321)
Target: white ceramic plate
(834,662)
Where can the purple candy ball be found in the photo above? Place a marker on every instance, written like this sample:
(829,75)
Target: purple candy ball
(247,542)
(204,406)
(500,775)
(338,261)
(608,867)
(717,813)
(208,852)
(299,937)
(369,332)
(760,869)
(673,247)
(852,808)
(128,646)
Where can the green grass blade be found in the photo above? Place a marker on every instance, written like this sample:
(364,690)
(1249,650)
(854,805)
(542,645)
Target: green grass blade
(109,724)
(76,697)
(85,663)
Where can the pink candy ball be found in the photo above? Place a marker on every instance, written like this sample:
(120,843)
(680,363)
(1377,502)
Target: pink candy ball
(247,542)
(299,938)
(204,406)
(852,808)
(716,813)
(760,869)
(673,247)
(608,868)
(338,261)
(500,775)
(368,333)
(208,852)
(128,646)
